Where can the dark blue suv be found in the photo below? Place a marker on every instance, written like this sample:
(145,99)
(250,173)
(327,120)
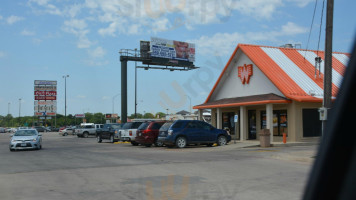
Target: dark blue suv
(182,132)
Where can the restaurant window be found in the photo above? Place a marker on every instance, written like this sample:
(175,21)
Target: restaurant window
(280,125)
(228,122)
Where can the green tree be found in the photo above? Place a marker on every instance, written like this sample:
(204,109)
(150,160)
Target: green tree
(138,116)
(148,116)
(160,115)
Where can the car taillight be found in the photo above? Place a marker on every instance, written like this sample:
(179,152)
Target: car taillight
(170,132)
(130,132)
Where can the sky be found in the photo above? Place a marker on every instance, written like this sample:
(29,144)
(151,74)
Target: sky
(47,39)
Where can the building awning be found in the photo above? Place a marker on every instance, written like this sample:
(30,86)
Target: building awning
(244,101)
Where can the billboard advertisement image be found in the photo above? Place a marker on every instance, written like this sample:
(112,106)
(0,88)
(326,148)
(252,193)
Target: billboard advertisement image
(172,49)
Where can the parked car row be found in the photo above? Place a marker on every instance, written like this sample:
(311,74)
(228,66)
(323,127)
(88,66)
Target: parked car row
(179,133)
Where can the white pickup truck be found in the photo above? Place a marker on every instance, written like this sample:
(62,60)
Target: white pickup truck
(128,132)
(87,129)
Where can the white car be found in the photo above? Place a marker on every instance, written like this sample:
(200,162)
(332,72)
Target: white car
(25,139)
(128,132)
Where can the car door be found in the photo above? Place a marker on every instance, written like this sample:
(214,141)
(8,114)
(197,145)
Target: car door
(203,132)
(192,132)
(208,132)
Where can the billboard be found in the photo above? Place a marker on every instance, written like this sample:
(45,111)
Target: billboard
(172,49)
(79,115)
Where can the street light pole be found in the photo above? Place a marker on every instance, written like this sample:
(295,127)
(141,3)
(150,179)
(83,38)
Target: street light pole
(190,104)
(65,99)
(19,109)
(8,108)
(113,98)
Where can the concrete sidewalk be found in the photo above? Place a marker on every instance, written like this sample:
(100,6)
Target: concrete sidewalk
(256,143)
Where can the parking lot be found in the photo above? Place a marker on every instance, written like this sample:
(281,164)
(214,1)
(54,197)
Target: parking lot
(80,168)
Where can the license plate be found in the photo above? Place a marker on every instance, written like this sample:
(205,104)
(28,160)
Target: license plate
(139,134)
(23,144)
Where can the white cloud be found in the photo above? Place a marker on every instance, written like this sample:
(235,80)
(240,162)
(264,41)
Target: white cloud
(1,17)
(13,19)
(48,8)
(2,54)
(301,3)
(79,96)
(26,32)
(79,29)
(98,52)
(292,29)
(224,43)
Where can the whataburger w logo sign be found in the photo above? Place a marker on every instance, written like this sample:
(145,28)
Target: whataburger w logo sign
(245,72)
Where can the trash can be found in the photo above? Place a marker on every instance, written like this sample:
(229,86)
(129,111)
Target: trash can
(265,138)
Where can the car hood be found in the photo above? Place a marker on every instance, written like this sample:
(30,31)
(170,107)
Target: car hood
(24,137)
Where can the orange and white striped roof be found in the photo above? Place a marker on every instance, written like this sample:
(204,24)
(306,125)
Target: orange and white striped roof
(292,70)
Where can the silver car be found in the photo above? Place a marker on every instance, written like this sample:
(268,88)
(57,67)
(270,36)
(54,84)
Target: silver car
(26,139)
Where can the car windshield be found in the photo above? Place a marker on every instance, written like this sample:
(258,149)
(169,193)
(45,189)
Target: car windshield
(166,126)
(127,125)
(116,126)
(25,133)
(143,126)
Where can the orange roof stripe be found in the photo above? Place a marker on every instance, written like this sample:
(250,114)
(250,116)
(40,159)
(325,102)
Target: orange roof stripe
(286,85)
(308,68)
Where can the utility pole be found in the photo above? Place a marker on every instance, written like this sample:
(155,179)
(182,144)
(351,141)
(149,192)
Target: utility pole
(328,60)
(65,99)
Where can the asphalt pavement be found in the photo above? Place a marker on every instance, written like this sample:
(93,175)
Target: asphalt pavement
(80,168)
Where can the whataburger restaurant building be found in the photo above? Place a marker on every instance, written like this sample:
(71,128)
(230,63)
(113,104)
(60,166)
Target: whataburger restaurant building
(272,87)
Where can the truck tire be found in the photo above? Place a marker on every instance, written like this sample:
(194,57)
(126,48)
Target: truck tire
(98,139)
(112,139)
(85,134)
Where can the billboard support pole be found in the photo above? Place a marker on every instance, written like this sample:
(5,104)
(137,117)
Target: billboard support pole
(123,89)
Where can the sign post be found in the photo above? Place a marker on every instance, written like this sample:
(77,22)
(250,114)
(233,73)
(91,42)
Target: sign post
(236,120)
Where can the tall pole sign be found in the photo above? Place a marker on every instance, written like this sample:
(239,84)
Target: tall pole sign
(45,96)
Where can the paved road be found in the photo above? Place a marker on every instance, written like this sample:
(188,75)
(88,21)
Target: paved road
(79,168)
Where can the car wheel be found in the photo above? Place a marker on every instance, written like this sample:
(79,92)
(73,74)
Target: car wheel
(12,149)
(222,140)
(134,143)
(158,144)
(148,145)
(181,142)
(98,139)
(65,134)
(85,135)
(210,144)
(112,139)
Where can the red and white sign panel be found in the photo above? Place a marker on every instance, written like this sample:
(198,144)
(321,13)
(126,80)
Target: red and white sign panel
(47,103)
(80,115)
(45,114)
(45,97)
(46,93)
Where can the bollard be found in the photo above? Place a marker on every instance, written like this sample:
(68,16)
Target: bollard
(284,138)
